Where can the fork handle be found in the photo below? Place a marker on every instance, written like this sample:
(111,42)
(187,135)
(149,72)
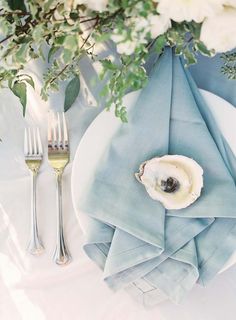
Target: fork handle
(35,246)
(61,254)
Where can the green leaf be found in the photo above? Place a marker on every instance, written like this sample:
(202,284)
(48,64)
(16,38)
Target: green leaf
(47,5)
(200,46)
(5,27)
(33,8)
(102,37)
(19,90)
(71,42)
(41,54)
(16,5)
(38,32)
(51,52)
(107,64)
(72,92)
(59,40)
(195,29)
(178,50)
(160,43)
(74,16)
(189,57)
(27,78)
(21,54)
(123,115)
(30,81)
(105,91)
(67,56)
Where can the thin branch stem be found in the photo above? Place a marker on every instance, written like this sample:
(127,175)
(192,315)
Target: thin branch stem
(20,14)
(58,75)
(90,19)
(67,65)
(5,39)
(91,47)
(89,35)
(86,39)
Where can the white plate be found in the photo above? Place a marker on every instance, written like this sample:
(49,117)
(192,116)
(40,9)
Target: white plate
(100,133)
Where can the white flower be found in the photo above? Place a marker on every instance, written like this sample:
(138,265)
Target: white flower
(176,181)
(158,25)
(187,10)
(231,3)
(126,47)
(219,32)
(116,37)
(139,30)
(140,23)
(96,5)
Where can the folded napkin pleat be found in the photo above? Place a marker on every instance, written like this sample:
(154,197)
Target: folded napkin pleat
(176,275)
(134,262)
(222,145)
(137,243)
(115,183)
(98,239)
(190,136)
(215,247)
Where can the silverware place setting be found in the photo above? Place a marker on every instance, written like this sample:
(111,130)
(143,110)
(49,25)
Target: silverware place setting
(58,158)
(33,157)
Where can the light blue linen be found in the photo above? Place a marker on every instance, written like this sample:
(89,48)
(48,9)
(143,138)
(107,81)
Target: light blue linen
(133,238)
(207,75)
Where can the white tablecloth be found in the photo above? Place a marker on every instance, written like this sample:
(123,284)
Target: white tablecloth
(34,288)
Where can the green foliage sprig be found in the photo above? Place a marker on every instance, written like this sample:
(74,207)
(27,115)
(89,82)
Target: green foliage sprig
(70,31)
(229,66)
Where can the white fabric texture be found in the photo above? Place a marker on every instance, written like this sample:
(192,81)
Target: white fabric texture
(34,288)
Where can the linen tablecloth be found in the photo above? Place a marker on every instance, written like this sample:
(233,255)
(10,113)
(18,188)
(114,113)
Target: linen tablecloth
(36,288)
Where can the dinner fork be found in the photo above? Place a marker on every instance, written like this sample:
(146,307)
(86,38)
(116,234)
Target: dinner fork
(33,157)
(58,156)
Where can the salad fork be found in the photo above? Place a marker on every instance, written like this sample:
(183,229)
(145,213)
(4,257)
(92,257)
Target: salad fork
(58,157)
(33,157)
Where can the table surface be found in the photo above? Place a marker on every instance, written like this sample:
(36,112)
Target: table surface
(34,287)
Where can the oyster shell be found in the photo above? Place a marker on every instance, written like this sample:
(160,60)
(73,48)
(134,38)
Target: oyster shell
(174,180)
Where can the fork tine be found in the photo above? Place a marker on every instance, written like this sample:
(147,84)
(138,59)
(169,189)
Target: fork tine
(35,147)
(40,148)
(25,142)
(57,130)
(65,132)
(59,133)
(54,133)
(29,142)
(49,130)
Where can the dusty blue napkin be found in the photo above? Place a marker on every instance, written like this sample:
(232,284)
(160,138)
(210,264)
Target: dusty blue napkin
(207,75)
(133,238)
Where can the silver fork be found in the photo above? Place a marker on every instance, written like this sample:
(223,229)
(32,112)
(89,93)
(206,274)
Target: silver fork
(33,157)
(58,156)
